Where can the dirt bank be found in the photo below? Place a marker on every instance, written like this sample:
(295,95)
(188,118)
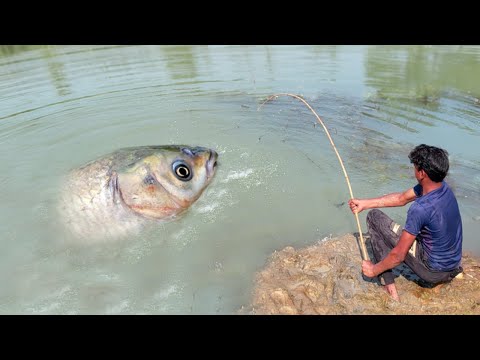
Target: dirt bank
(326,278)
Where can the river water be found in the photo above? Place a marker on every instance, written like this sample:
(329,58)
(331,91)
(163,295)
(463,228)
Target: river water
(278,182)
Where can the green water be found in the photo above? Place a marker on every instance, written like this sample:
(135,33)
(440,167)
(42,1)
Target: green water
(278,183)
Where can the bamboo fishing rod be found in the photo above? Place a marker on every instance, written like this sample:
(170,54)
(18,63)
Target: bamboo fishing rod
(274,96)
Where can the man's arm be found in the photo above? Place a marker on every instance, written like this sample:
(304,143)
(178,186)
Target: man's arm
(389,200)
(393,259)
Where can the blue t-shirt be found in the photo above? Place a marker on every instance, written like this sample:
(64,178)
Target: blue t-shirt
(435,220)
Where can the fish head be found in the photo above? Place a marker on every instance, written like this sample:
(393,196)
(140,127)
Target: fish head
(166,181)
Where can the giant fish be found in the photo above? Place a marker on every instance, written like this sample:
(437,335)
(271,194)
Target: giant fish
(119,192)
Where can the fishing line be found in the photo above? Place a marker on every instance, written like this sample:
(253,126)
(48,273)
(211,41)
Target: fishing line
(274,96)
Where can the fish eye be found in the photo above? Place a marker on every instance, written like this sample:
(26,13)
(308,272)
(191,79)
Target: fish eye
(181,170)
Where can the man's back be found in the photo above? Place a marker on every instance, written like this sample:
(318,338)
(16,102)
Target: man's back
(435,218)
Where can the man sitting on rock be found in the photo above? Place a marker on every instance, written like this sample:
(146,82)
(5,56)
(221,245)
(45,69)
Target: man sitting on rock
(431,241)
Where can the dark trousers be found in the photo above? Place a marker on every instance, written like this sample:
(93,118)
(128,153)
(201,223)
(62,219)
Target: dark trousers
(384,239)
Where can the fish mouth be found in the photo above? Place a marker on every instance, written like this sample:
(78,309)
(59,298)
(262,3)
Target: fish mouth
(212,164)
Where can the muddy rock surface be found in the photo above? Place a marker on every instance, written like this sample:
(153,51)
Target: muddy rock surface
(326,279)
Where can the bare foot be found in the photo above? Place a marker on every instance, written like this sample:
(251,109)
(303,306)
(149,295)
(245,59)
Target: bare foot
(392,291)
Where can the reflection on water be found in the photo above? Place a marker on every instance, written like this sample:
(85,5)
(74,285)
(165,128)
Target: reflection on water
(57,72)
(278,182)
(183,66)
(7,50)
(422,72)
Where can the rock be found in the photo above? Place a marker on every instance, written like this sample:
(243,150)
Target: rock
(326,279)
(288,310)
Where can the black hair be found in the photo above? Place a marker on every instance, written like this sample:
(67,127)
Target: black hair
(432,160)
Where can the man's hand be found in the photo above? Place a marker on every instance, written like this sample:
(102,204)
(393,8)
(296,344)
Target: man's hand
(356,205)
(367,268)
